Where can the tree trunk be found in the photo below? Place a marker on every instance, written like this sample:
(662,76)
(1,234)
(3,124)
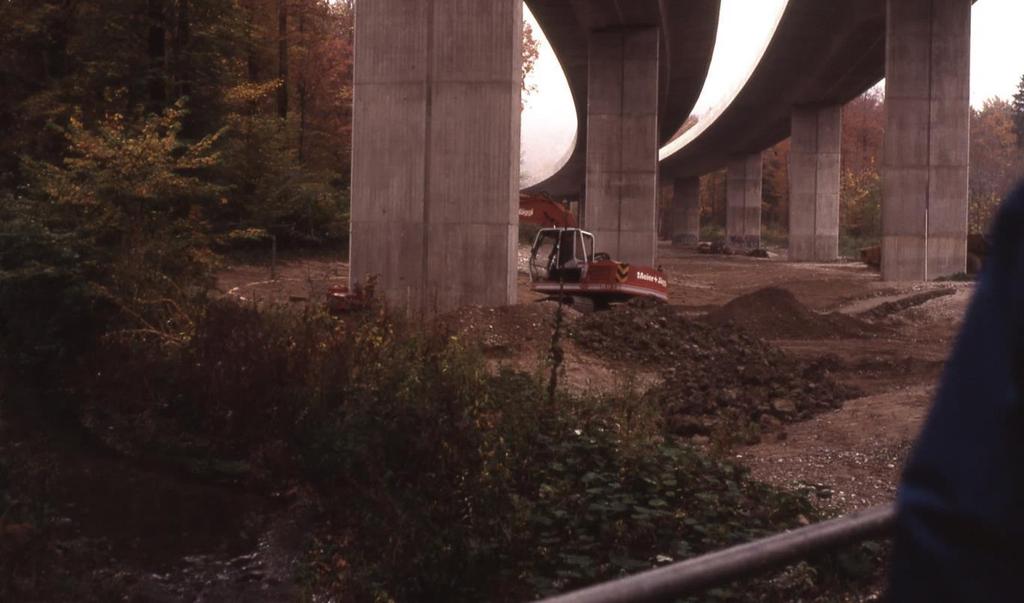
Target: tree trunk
(282,58)
(252,63)
(56,53)
(183,75)
(302,87)
(157,53)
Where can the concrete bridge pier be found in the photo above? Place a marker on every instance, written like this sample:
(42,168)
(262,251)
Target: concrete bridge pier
(814,165)
(622,142)
(435,166)
(684,211)
(925,170)
(743,201)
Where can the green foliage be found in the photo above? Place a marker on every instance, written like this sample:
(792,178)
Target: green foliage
(860,209)
(775,187)
(602,512)
(71,63)
(861,202)
(268,187)
(996,160)
(850,245)
(713,198)
(108,242)
(773,235)
(981,210)
(125,162)
(440,480)
(712,232)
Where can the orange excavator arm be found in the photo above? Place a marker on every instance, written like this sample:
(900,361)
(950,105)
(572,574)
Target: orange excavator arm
(544,212)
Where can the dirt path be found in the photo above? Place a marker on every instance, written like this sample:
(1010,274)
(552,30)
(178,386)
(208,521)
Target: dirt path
(851,457)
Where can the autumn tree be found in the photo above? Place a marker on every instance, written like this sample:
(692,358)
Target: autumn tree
(713,200)
(996,159)
(775,186)
(531,51)
(860,180)
(107,242)
(1018,112)
(863,132)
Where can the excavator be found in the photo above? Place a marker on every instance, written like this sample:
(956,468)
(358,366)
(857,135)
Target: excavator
(563,264)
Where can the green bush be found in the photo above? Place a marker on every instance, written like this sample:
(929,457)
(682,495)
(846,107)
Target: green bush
(860,203)
(267,186)
(774,235)
(109,242)
(850,244)
(712,232)
(439,479)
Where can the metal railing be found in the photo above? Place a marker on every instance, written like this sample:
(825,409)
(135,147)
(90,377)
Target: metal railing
(700,573)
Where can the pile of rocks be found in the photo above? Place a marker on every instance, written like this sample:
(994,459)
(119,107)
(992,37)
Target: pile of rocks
(775,313)
(716,378)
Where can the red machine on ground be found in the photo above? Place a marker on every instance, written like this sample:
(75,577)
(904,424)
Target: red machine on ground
(563,263)
(543,211)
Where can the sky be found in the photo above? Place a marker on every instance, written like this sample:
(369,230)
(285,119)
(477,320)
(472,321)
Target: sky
(744,29)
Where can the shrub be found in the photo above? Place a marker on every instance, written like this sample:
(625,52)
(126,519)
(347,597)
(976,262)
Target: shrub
(109,242)
(439,479)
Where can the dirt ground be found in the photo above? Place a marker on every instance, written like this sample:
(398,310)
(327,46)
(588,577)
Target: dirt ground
(850,457)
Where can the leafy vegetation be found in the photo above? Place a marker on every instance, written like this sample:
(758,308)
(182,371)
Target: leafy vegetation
(144,139)
(438,479)
(107,242)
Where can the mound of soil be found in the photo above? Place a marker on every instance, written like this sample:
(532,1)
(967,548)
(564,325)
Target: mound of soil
(774,313)
(718,379)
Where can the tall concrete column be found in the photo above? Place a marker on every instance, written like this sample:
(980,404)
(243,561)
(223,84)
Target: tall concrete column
(743,201)
(814,164)
(684,212)
(622,143)
(435,166)
(927,102)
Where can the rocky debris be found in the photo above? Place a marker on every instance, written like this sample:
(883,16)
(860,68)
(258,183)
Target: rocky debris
(717,379)
(506,330)
(894,307)
(715,247)
(637,333)
(523,259)
(774,313)
(743,392)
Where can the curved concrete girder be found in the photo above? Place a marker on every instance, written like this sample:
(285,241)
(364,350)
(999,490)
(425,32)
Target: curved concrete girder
(688,31)
(822,53)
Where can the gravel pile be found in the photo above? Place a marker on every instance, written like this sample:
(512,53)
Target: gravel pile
(718,379)
(774,313)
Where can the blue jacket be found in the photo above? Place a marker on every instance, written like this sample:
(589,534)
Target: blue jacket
(960,526)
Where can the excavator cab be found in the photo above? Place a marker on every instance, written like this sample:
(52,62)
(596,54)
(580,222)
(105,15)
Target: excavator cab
(561,255)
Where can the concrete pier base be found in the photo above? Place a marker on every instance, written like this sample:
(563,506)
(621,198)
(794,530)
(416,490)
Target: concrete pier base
(925,171)
(743,202)
(622,143)
(814,165)
(435,166)
(684,211)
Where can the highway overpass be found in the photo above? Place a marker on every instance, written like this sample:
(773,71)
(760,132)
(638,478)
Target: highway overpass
(436,132)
